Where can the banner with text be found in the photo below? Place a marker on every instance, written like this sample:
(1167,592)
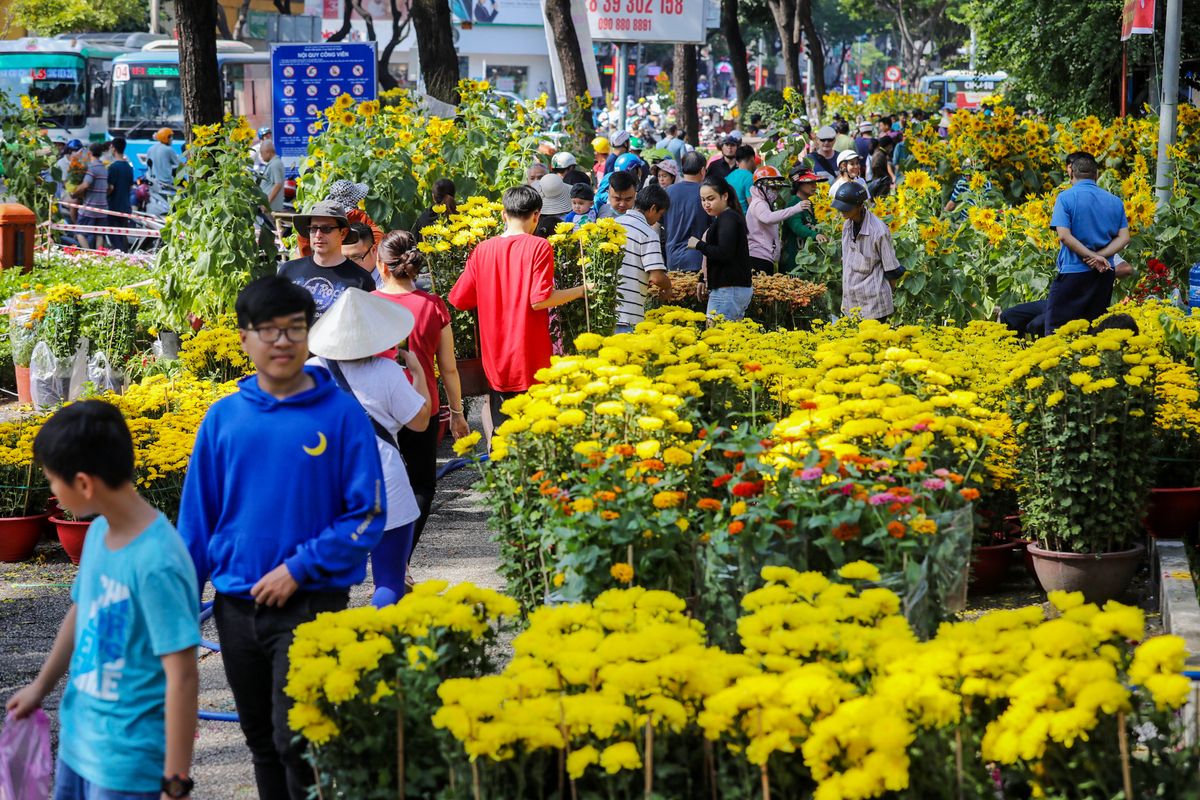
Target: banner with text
(1138,17)
(647,20)
(308,78)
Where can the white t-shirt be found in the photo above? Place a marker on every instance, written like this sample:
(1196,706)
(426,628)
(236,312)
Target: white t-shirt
(383,389)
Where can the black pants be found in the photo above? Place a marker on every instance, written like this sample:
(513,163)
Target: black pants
(254,649)
(118,242)
(762,265)
(1078,295)
(1026,318)
(495,400)
(419,450)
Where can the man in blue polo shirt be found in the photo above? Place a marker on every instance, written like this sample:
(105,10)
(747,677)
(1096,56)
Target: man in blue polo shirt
(1092,227)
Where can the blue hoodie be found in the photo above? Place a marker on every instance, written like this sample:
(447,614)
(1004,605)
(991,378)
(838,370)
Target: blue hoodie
(294,481)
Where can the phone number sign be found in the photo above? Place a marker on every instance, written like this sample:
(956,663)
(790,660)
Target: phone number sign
(646,20)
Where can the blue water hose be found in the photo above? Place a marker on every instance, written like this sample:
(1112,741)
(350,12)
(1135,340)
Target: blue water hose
(206,609)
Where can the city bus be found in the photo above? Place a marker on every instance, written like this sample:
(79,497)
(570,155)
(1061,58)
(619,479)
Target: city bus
(147,95)
(962,89)
(69,77)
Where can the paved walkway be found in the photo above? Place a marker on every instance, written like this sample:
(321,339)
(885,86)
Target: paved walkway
(34,596)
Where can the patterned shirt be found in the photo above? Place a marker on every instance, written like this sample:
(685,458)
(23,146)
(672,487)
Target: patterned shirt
(643,253)
(865,258)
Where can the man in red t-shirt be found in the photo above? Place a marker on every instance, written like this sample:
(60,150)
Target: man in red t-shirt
(510,281)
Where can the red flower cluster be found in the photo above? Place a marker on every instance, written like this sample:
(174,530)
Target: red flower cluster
(748,488)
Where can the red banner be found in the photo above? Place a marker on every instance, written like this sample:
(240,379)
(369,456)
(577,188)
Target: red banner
(1138,17)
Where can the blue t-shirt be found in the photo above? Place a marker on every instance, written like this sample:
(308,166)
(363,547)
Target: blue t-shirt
(133,606)
(740,180)
(1094,216)
(120,180)
(685,217)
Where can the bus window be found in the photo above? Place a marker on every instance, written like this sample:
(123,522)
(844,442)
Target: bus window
(146,102)
(99,74)
(248,92)
(59,89)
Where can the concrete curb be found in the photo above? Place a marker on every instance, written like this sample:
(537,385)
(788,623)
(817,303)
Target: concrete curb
(1181,616)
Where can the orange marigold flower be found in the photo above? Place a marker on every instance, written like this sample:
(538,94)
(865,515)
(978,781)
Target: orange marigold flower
(622,572)
(605,496)
(969,494)
(736,527)
(845,532)
(896,529)
(625,450)
(808,405)
(609,516)
(537,476)
(708,504)
(752,366)
(547,488)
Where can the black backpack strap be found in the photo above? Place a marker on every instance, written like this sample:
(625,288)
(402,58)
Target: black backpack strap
(339,377)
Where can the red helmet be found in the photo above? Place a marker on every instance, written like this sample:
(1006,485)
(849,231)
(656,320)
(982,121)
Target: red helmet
(768,173)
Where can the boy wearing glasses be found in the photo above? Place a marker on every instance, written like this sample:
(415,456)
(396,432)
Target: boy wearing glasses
(282,504)
(327,272)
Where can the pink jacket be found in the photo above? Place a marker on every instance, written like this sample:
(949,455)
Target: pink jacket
(762,225)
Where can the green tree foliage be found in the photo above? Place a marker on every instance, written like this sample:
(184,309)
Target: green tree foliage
(1060,57)
(51,17)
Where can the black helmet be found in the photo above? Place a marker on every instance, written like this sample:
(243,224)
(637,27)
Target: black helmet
(849,196)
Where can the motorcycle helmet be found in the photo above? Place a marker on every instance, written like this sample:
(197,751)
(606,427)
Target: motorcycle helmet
(600,145)
(627,161)
(849,196)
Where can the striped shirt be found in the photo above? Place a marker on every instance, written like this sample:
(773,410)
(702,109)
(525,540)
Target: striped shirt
(643,254)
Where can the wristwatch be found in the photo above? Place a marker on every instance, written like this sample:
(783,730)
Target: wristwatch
(177,786)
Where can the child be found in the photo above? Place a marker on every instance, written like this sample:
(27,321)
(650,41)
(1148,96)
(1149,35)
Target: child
(282,504)
(128,714)
(582,205)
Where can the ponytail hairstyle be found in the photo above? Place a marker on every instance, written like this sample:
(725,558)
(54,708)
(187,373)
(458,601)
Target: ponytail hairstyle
(443,194)
(398,254)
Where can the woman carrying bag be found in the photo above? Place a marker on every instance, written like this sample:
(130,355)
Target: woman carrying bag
(345,341)
(726,250)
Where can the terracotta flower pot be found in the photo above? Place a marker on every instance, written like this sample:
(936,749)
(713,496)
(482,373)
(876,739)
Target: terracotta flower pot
(1100,576)
(471,375)
(19,536)
(1173,513)
(989,566)
(71,534)
(24,395)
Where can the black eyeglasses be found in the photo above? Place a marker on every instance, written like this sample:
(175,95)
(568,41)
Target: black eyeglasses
(828,140)
(269,334)
(325,230)
(361,257)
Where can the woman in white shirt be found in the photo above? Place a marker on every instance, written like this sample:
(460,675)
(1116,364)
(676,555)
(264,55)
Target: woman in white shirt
(850,168)
(346,341)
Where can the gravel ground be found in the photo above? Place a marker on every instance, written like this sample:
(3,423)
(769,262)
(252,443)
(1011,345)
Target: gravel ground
(35,595)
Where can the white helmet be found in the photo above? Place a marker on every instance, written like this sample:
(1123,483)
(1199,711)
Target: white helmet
(563,160)
(847,155)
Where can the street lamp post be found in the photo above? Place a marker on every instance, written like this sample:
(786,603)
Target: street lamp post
(1168,114)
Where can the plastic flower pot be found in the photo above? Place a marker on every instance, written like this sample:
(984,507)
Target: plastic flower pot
(1173,513)
(71,534)
(1100,576)
(19,536)
(24,395)
(989,566)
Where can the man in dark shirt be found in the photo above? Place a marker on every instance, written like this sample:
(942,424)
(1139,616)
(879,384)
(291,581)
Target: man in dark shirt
(327,272)
(120,184)
(685,216)
(727,163)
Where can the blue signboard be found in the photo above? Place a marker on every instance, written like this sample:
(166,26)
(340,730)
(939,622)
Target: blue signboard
(308,78)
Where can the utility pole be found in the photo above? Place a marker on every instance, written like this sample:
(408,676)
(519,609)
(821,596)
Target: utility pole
(1168,113)
(623,85)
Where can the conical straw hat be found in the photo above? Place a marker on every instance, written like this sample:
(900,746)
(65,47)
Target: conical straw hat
(359,325)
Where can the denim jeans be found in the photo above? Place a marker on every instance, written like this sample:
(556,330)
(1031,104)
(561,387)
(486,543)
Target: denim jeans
(730,302)
(68,785)
(254,648)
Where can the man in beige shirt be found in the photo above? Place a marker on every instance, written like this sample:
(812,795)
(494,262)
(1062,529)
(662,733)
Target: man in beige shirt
(869,264)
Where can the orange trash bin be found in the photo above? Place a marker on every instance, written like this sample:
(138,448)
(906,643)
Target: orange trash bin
(18,234)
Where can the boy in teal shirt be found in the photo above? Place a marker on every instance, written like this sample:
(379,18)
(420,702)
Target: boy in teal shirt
(742,178)
(128,714)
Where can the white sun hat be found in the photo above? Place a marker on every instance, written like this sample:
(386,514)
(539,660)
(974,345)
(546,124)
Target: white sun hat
(359,325)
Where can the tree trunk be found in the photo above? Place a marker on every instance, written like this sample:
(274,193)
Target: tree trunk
(368,20)
(685,77)
(816,52)
(222,22)
(283,6)
(783,12)
(196,26)
(239,27)
(570,58)
(400,22)
(344,31)
(737,49)
(435,48)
